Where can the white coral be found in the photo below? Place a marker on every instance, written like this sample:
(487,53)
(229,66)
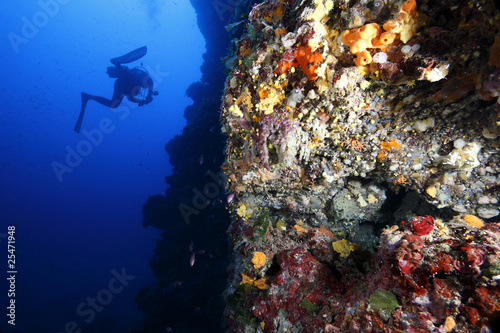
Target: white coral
(461,158)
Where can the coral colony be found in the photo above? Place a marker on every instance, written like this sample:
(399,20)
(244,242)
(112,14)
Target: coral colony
(362,167)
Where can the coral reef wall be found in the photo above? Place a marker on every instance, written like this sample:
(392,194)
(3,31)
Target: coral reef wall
(362,162)
(191,257)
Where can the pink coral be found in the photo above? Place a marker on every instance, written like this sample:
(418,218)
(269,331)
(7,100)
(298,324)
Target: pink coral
(408,253)
(422,225)
(301,276)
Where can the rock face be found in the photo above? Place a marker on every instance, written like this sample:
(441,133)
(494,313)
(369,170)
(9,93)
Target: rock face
(362,159)
(191,257)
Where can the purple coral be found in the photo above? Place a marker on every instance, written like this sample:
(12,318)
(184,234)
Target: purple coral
(276,132)
(472,258)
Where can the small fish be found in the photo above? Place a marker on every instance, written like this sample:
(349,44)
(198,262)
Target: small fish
(378,5)
(191,260)
(230,197)
(231,26)
(191,247)
(201,159)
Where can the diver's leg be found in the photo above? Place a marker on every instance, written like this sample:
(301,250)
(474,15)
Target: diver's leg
(116,99)
(110,103)
(101,100)
(118,93)
(85,99)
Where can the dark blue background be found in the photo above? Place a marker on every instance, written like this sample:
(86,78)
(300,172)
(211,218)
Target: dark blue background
(70,234)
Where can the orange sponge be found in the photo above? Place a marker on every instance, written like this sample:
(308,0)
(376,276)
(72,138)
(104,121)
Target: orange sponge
(410,7)
(386,146)
(259,259)
(386,38)
(369,31)
(363,58)
(474,221)
(404,25)
(308,61)
(361,38)
(371,35)
(305,59)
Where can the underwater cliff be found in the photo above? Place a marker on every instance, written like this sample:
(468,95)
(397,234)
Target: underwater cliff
(362,165)
(192,255)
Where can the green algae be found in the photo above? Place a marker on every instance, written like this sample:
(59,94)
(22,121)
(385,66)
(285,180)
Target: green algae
(382,300)
(260,228)
(281,225)
(236,302)
(309,306)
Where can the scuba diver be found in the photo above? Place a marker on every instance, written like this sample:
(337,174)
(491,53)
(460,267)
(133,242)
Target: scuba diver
(129,82)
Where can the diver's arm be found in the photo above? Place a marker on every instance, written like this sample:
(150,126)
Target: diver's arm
(133,99)
(151,92)
(149,97)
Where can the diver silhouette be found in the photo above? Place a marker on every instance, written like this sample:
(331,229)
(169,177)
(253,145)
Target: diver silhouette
(129,82)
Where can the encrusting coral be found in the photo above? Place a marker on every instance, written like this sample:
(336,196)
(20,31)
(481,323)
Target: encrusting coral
(303,58)
(363,143)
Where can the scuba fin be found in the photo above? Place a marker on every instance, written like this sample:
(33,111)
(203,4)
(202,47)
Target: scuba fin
(79,121)
(85,99)
(131,56)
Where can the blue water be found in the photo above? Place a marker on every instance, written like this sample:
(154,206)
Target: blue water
(78,219)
